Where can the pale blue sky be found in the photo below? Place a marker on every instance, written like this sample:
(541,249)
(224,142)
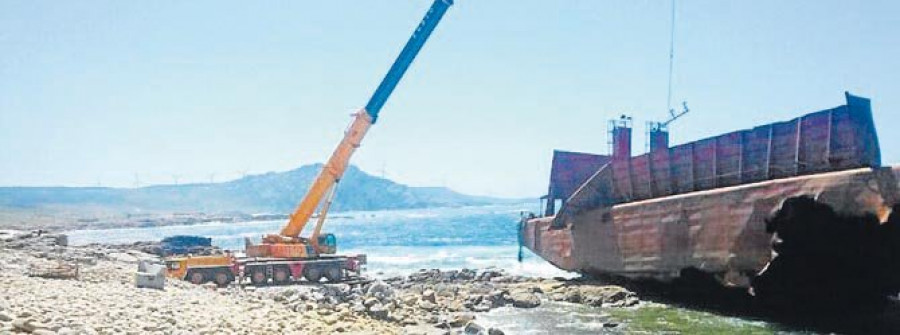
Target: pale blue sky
(98,91)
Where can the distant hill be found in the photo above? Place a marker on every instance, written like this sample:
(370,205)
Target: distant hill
(275,192)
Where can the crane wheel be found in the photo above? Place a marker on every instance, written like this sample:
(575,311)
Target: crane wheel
(258,277)
(313,274)
(223,278)
(281,275)
(197,277)
(334,274)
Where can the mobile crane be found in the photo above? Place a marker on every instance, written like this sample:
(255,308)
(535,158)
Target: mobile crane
(285,256)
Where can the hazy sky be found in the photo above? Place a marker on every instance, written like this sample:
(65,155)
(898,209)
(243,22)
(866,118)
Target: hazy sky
(98,92)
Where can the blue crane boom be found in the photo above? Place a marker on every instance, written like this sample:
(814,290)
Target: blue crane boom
(406,57)
(288,243)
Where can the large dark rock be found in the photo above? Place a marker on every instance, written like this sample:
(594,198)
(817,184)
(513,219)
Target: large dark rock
(473,328)
(525,300)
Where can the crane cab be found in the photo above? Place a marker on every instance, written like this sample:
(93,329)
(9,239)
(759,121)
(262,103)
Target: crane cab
(327,244)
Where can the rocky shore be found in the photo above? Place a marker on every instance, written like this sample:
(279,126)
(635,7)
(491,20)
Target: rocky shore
(102,298)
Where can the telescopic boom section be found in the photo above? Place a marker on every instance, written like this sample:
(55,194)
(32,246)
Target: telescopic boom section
(337,164)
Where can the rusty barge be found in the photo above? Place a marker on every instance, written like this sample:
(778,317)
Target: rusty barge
(809,192)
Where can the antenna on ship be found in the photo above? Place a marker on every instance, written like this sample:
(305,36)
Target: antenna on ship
(671,60)
(658,132)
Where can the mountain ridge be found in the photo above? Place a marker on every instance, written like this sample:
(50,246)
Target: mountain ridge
(277,192)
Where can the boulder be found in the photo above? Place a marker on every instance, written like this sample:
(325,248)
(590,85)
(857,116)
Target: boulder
(410,300)
(28,325)
(466,274)
(486,275)
(446,290)
(474,299)
(573,296)
(358,308)
(617,296)
(497,298)
(432,318)
(330,319)
(428,295)
(525,300)
(338,291)
(122,257)
(380,290)
(151,275)
(473,328)
(448,275)
(369,302)
(59,239)
(482,307)
(378,311)
(427,305)
(495,331)
(460,320)
(456,306)
(610,295)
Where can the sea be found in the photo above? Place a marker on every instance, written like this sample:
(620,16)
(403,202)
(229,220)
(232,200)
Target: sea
(399,242)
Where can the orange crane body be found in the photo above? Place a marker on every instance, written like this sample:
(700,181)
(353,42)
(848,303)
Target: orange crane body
(288,243)
(285,257)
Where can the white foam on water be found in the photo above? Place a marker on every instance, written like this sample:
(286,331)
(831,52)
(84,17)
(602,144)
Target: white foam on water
(420,215)
(581,325)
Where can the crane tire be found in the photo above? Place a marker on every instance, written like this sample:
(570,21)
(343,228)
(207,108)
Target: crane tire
(258,277)
(281,275)
(197,277)
(313,274)
(223,278)
(334,274)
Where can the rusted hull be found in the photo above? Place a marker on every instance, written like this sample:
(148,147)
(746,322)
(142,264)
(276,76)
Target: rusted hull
(720,231)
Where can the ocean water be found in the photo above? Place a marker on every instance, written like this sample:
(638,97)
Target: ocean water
(396,242)
(399,242)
